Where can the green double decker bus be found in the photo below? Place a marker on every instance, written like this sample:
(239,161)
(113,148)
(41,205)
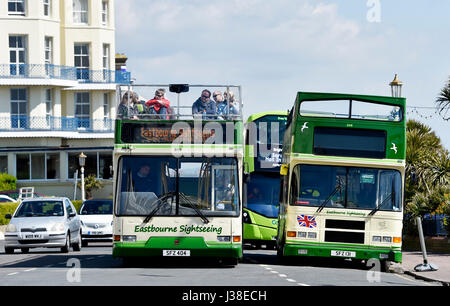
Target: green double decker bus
(262,160)
(178,173)
(342,177)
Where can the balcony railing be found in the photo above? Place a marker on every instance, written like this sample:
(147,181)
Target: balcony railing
(47,71)
(16,123)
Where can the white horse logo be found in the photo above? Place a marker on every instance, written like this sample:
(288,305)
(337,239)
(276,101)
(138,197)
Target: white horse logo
(304,126)
(394,147)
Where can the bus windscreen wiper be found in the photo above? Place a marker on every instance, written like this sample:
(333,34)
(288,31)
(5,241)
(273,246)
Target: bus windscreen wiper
(324,203)
(161,201)
(391,196)
(204,219)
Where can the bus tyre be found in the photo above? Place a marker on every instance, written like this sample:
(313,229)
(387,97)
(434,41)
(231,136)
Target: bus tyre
(127,262)
(384,266)
(229,261)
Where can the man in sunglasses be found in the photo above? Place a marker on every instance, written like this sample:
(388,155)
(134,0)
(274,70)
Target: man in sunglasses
(204,106)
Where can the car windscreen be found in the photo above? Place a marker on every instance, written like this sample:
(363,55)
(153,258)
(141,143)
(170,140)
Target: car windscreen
(40,209)
(97,208)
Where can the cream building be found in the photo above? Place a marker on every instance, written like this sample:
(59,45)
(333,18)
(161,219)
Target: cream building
(57,91)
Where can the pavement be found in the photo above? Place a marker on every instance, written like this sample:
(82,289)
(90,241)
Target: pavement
(442,261)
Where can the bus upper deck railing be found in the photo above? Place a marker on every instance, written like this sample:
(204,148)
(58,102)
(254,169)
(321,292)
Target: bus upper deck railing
(180,102)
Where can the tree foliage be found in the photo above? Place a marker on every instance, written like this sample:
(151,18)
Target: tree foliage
(443,101)
(90,184)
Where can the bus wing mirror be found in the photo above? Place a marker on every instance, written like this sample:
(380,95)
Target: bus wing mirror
(284,169)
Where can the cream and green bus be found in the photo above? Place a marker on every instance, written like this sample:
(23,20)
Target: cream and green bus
(178,172)
(342,178)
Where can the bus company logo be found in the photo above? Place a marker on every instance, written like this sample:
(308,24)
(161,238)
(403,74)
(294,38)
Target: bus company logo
(307,221)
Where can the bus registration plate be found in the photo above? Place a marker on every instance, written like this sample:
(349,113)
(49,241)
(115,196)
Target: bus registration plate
(176,253)
(343,254)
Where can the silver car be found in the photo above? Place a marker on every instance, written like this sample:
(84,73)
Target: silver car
(43,223)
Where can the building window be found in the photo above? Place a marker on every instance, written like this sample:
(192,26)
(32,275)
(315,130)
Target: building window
(97,163)
(106,106)
(19,109)
(82,109)
(37,166)
(17,55)
(106,71)
(47,8)
(48,53)
(49,105)
(80,11)
(105,13)
(3,164)
(16,7)
(81,60)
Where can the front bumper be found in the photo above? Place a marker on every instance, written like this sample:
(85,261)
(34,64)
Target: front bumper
(47,240)
(362,253)
(196,245)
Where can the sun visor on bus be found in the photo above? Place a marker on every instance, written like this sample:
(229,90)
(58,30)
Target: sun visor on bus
(349,142)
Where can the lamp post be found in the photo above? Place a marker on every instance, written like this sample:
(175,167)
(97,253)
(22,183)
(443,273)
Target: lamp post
(396,87)
(82,161)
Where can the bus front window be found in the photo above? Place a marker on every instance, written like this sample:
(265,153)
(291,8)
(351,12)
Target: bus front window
(346,187)
(164,186)
(263,193)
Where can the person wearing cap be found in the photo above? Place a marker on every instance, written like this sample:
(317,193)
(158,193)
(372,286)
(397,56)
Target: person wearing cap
(159,104)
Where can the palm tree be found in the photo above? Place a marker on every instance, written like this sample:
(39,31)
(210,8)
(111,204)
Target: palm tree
(443,102)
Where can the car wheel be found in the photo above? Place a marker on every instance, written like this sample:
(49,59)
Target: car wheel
(77,245)
(66,248)
(25,250)
(9,250)
(84,243)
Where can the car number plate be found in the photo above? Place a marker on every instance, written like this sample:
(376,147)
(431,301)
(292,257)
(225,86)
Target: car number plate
(343,254)
(33,236)
(95,233)
(176,253)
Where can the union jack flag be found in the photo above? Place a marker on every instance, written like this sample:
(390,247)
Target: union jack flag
(307,221)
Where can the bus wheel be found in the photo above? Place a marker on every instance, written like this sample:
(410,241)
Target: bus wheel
(384,266)
(229,261)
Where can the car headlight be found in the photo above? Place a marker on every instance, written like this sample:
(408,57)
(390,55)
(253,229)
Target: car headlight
(11,228)
(58,227)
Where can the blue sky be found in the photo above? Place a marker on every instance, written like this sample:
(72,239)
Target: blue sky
(276,48)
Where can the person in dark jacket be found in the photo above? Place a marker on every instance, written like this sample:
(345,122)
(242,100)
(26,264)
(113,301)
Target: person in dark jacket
(204,106)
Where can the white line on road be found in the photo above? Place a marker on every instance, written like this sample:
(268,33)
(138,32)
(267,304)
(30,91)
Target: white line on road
(29,270)
(291,280)
(14,273)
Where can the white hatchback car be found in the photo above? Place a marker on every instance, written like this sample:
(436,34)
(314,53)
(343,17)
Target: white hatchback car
(43,223)
(96,221)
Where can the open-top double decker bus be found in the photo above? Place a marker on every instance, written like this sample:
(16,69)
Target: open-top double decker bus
(343,178)
(178,174)
(262,160)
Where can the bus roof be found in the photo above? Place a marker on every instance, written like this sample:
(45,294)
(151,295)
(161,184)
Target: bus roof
(257,116)
(311,96)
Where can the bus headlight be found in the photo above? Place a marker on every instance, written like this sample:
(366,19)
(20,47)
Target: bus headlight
(376,238)
(224,238)
(312,235)
(129,238)
(387,239)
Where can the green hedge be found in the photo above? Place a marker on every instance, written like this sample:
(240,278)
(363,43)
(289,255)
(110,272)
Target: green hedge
(6,208)
(7,182)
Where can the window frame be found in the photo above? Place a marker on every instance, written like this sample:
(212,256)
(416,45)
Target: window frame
(17,12)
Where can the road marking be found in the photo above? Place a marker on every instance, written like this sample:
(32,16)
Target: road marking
(14,273)
(29,270)
(291,280)
(282,275)
(304,285)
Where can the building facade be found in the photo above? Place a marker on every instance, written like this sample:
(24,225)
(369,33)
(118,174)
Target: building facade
(57,92)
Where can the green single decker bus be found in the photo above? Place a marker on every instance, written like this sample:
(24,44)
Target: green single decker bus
(342,176)
(264,137)
(178,161)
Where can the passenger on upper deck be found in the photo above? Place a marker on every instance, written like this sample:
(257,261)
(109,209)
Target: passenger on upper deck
(125,110)
(159,104)
(222,106)
(204,106)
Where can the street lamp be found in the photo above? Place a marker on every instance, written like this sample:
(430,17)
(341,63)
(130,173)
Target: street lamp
(82,161)
(396,87)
